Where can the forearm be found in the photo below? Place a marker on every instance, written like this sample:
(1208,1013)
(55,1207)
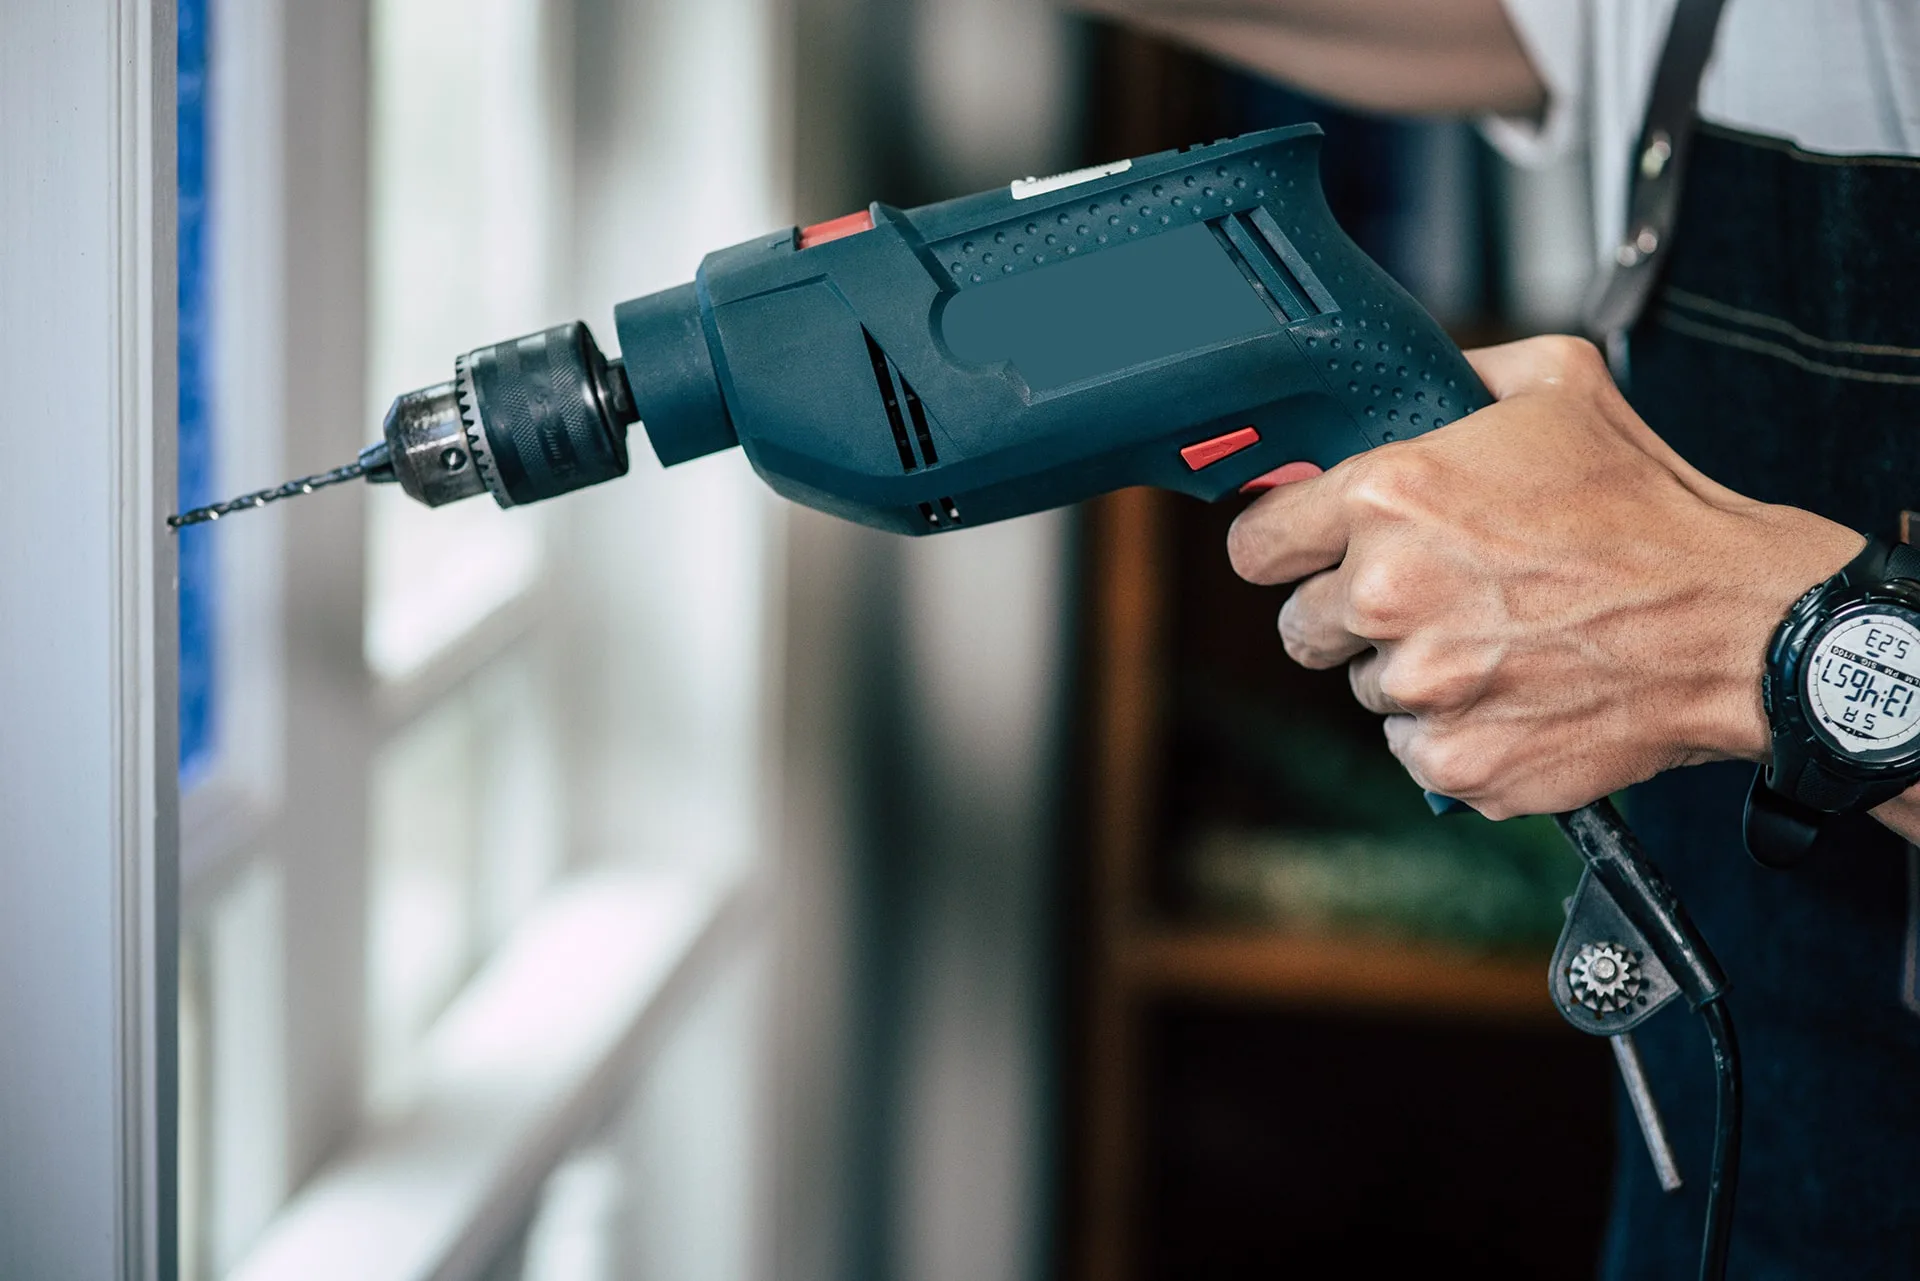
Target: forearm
(1413,56)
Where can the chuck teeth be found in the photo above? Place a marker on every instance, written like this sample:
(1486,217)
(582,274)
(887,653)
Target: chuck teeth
(478,446)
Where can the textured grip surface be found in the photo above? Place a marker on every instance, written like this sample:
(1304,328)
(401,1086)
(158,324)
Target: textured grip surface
(1387,361)
(540,410)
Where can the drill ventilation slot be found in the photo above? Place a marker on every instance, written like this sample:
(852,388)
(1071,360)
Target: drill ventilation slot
(947,508)
(895,389)
(890,398)
(1272,266)
(918,412)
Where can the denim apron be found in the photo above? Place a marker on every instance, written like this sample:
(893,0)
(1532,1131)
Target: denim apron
(1782,357)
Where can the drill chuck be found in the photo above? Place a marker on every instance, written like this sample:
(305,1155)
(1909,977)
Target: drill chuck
(523,420)
(427,449)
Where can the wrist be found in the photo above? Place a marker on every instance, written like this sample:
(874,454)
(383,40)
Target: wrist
(1902,814)
(1775,556)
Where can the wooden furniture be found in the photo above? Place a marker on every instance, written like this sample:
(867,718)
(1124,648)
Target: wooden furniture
(1137,959)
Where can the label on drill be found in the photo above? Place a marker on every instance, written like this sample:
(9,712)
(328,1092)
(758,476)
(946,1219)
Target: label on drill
(1027,188)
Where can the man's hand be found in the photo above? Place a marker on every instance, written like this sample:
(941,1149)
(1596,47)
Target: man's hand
(1543,598)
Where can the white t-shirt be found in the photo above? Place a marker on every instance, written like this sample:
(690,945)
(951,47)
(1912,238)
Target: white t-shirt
(1835,76)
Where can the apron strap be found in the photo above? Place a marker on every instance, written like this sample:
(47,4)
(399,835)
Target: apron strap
(1653,203)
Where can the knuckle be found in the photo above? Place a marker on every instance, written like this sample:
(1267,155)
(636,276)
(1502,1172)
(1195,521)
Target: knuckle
(1397,480)
(1375,597)
(1577,359)
(1454,767)
(1498,809)
(1426,684)
(1407,686)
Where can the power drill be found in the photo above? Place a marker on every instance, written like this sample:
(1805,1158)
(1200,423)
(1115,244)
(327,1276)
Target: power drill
(1192,320)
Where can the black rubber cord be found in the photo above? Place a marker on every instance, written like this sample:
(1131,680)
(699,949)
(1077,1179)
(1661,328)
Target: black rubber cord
(1613,854)
(1725,1174)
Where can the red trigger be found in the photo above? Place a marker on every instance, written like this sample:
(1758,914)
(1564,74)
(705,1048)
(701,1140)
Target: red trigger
(1285,474)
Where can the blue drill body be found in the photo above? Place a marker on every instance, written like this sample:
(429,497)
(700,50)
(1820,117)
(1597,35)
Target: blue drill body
(1189,320)
(1039,344)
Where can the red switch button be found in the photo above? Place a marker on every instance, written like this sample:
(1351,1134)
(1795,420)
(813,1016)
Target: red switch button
(1208,452)
(836,228)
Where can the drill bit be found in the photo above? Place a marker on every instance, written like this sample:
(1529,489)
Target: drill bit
(373,463)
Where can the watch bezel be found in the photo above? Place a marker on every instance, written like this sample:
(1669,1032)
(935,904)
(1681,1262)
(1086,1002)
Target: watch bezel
(1815,616)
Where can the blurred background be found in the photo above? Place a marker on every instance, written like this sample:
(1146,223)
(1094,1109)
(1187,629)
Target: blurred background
(673,883)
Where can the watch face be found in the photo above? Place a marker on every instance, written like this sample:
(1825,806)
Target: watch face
(1863,685)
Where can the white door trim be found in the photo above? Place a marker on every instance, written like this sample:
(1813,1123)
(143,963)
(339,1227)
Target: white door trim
(87,640)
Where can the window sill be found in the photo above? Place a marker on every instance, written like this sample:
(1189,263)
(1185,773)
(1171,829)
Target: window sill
(400,699)
(220,820)
(534,1052)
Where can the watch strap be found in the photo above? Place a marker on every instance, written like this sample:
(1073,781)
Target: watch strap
(1818,790)
(1780,828)
(1777,829)
(1880,560)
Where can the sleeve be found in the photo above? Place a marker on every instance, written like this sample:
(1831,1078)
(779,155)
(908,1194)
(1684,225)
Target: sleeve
(1555,35)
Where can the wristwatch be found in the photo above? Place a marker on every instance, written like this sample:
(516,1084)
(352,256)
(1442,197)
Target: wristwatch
(1842,695)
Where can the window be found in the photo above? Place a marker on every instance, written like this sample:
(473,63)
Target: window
(474,803)
(198,482)
(466,204)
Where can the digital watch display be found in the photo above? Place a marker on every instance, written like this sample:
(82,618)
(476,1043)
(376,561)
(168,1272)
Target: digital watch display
(1863,684)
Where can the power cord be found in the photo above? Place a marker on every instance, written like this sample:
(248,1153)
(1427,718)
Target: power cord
(1725,1173)
(1615,860)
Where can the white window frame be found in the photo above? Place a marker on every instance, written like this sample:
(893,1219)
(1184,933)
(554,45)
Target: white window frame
(87,637)
(302,716)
